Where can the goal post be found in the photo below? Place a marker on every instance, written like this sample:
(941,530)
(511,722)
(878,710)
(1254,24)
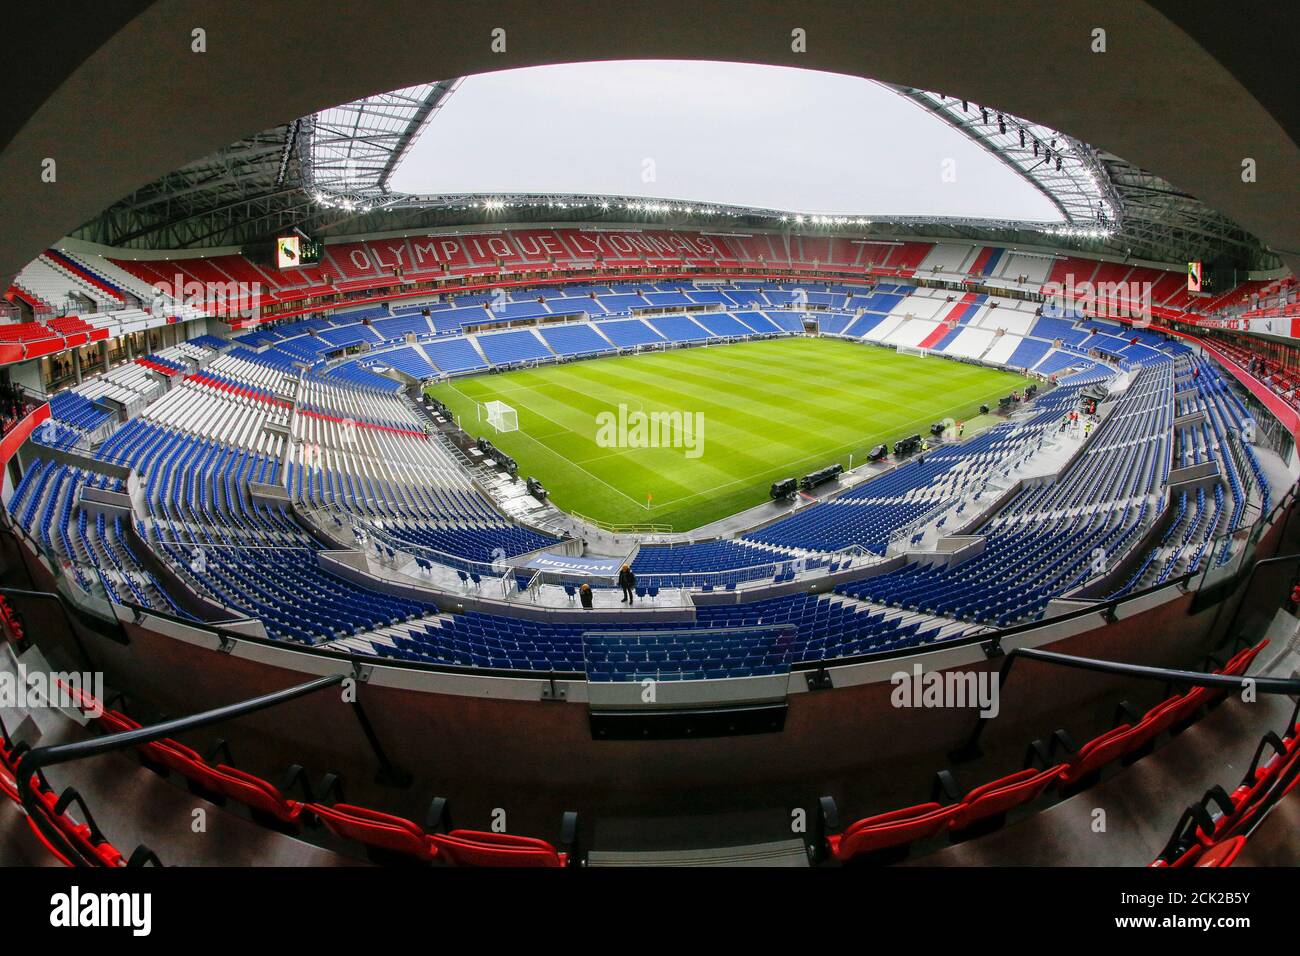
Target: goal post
(501,416)
(913,350)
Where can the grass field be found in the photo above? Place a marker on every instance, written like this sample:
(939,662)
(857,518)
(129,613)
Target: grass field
(769,409)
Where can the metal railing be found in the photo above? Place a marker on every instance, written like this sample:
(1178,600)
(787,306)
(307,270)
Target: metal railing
(798,565)
(37,760)
(1167,675)
(646,527)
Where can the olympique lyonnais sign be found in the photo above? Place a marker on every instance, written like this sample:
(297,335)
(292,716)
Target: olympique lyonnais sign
(568,564)
(531,245)
(1269,325)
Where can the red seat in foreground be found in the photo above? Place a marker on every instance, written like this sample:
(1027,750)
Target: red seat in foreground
(86,837)
(375,830)
(1097,753)
(995,798)
(260,796)
(895,830)
(388,837)
(476,848)
(1222,854)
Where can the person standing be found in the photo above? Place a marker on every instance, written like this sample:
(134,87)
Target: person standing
(584,594)
(627,581)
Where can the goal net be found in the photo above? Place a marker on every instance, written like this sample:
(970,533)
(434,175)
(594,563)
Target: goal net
(501,416)
(911,350)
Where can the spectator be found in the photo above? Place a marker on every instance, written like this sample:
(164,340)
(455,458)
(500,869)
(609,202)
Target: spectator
(584,594)
(627,581)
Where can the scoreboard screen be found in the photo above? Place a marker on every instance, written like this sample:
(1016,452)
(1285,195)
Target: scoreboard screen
(296,250)
(1194,277)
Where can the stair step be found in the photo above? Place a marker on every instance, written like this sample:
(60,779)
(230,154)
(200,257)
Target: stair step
(787,853)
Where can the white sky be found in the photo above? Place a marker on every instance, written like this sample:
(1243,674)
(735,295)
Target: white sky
(734,133)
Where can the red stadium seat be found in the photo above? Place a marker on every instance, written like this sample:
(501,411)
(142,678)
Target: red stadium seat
(995,798)
(1089,759)
(223,782)
(1198,697)
(183,761)
(1164,716)
(376,830)
(476,848)
(8,784)
(260,796)
(1240,662)
(1261,775)
(890,831)
(86,837)
(1222,854)
(1218,814)
(166,753)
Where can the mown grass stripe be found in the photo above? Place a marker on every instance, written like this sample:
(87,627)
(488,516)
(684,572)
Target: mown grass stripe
(771,409)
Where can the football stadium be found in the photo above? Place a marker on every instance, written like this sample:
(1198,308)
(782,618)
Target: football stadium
(817,445)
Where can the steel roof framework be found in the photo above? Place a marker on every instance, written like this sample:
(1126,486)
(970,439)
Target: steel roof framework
(328,175)
(1068,172)
(354,148)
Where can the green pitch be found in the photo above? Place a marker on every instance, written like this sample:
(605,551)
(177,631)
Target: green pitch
(748,414)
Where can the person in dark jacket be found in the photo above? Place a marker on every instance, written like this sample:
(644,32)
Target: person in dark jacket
(584,594)
(627,581)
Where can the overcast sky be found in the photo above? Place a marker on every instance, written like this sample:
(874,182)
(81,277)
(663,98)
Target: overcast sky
(774,137)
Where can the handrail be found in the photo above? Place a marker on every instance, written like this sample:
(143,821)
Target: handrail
(67,613)
(647,527)
(1169,675)
(1250,579)
(37,759)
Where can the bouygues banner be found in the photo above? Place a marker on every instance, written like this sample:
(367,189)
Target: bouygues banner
(570,564)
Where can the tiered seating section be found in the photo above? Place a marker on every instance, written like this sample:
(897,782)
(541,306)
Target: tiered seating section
(1049,540)
(868,515)
(1260,361)
(118,295)
(209,424)
(95,548)
(785,631)
(1003,332)
(363,459)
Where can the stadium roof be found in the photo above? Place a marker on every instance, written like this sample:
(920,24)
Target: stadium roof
(330,175)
